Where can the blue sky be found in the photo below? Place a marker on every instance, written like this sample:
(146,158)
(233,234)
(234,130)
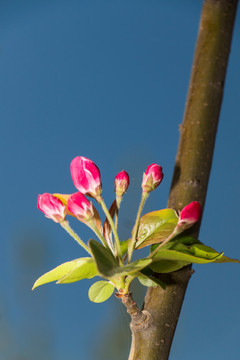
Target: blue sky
(106,80)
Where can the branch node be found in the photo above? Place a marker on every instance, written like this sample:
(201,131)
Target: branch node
(145,323)
(141,320)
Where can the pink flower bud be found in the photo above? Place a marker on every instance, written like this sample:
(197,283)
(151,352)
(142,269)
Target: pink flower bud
(86,176)
(152,177)
(189,215)
(79,206)
(52,207)
(121,183)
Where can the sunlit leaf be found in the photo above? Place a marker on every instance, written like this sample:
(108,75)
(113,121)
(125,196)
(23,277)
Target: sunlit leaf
(196,253)
(59,272)
(225,259)
(86,269)
(100,291)
(182,251)
(197,248)
(155,227)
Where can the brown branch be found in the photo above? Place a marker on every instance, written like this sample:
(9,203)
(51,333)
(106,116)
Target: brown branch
(141,320)
(192,169)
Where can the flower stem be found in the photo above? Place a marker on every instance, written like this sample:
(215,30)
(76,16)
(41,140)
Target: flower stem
(171,236)
(117,242)
(70,231)
(136,226)
(118,203)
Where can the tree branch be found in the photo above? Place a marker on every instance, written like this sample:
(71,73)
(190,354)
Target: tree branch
(192,168)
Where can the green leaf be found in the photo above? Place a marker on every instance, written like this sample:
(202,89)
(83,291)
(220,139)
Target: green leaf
(100,291)
(108,266)
(201,250)
(183,251)
(199,254)
(166,266)
(86,269)
(131,268)
(147,278)
(155,227)
(106,262)
(124,246)
(225,259)
(59,272)
(186,240)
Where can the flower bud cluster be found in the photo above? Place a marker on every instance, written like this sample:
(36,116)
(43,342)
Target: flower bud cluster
(87,179)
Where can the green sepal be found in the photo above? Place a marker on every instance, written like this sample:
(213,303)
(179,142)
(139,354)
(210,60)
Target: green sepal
(100,291)
(108,266)
(65,269)
(155,227)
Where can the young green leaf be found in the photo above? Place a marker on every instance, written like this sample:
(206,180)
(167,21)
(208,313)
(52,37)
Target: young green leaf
(225,259)
(155,227)
(147,278)
(106,262)
(86,269)
(187,254)
(186,240)
(183,251)
(166,266)
(131,268)
(197,248)
(108,266)
(124,246)
(100,291)
(59,272)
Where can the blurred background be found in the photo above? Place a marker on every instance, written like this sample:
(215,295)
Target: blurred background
(107,80)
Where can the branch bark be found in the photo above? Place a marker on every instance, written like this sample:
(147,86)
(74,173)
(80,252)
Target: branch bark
(191,173)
